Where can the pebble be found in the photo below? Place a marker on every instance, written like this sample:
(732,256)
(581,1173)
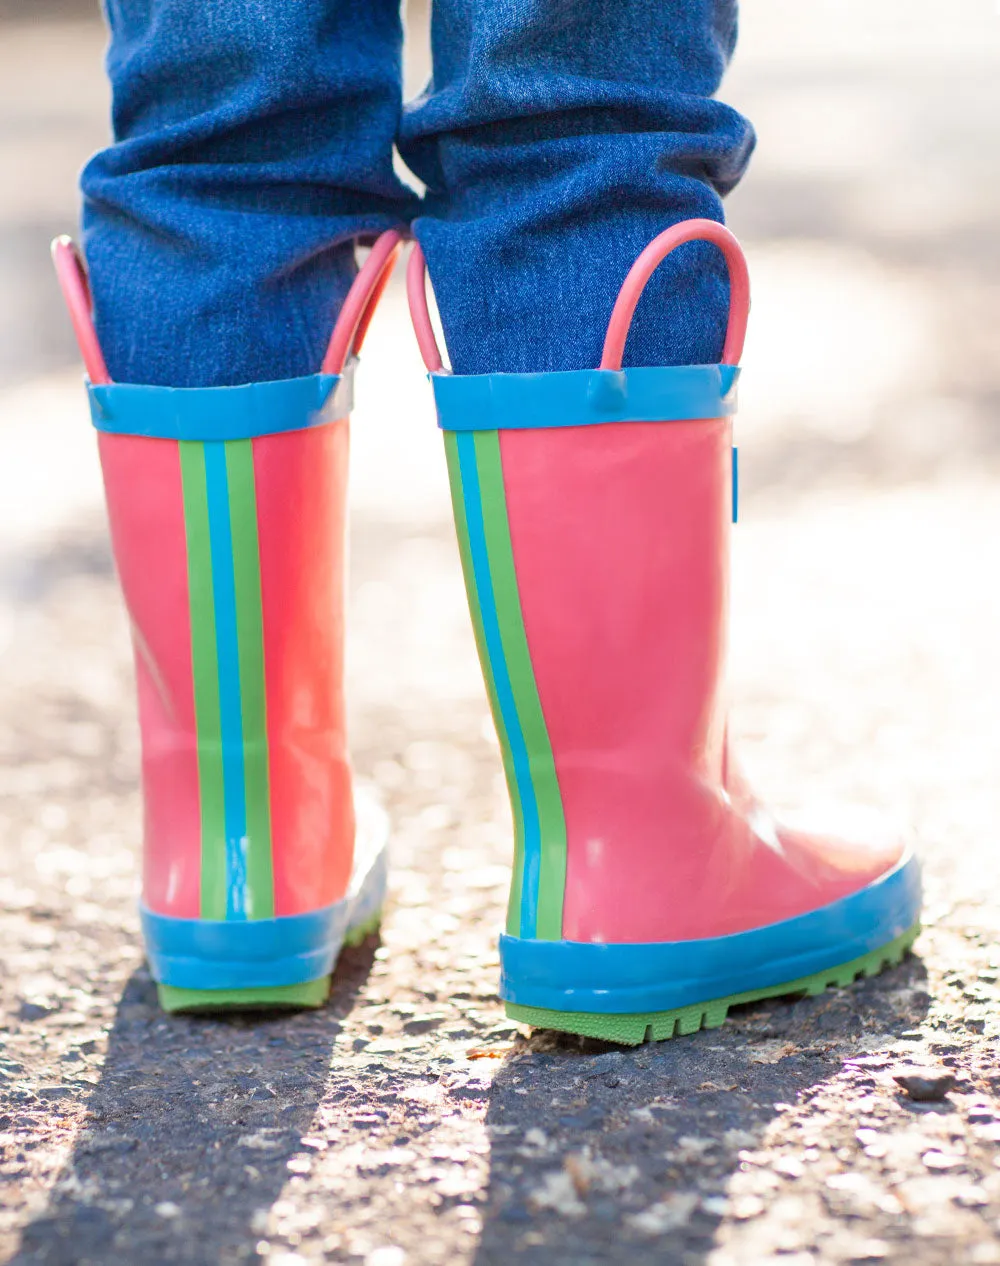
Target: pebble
(924,1085)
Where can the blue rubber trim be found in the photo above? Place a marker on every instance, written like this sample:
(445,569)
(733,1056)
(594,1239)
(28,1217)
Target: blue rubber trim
(472,495)
(222,413)
(230,702)
(628,979)
(259,953)
(219,954)
(584,397)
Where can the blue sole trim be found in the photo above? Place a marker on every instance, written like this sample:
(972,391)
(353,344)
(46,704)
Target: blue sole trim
(222,413)
(583,397)
(256,953)
(635,978)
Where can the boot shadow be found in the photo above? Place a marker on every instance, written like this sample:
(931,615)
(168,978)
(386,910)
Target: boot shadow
(192,1131)
(604,1154)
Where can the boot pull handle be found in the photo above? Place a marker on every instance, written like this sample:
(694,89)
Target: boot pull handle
(348,332)
(416,293)
(72,275)
(362,300)
(621,317)
(647,263)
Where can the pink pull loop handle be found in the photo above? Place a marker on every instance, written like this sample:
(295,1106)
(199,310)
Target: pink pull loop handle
(348,333)
(75,288)
(647,263)
(416,292)
(362,300)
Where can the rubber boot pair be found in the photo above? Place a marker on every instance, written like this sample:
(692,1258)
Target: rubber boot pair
(650,889)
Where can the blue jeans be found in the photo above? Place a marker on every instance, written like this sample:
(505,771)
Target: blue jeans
(253,147)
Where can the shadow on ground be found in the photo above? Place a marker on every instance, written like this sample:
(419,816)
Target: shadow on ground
(192,1130)
(635,1151)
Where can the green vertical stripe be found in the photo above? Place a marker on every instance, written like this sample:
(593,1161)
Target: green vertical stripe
(552,821)
(205,669)
(253,699)
(462,528)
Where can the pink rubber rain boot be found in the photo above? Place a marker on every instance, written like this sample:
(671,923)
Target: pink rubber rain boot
(227,515)
(651,890)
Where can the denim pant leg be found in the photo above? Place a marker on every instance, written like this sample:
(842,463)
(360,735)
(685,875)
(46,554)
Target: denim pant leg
(556,139)
(252,143)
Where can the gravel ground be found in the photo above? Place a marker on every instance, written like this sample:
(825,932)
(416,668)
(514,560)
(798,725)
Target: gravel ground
(409,1122)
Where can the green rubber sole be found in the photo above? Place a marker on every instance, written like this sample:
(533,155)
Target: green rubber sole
(313,993)
(309,995)
(361,933)
(657,1026)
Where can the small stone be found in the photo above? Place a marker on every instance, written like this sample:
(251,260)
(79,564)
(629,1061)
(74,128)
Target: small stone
(924,1085)
(388,1255)
(980,1113)
(556,1192)
(609,1062)
(870,1251)
(745,1207)
(167,1209)
(716,1206)
(362,1119)
(33,1011)
(423,1023)
(940,1160)
(665,1216)
(971,1197)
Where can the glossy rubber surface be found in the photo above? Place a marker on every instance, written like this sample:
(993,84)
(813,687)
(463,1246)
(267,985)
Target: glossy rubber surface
(630,1030)
(231,558)
(626,977)
(221,413)
(619,536)
(301,485)
(144,493)
(586,397)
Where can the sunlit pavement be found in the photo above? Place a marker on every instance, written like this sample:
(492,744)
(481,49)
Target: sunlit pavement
(410,1122)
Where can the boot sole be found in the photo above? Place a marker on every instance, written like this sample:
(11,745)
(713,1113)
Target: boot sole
(658,1026)
(304,997)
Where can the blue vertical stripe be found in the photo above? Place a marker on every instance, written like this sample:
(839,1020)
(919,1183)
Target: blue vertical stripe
(224,590)
(472,496)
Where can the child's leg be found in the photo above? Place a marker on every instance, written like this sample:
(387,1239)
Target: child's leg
(557,140)
(248,139)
